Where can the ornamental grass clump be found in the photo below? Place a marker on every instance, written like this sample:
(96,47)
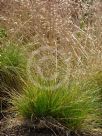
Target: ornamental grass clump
(12,71)
(69,106)
(12,65)
(98,79)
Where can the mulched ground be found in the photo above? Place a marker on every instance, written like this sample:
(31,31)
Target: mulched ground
(11,126)
(25,131)
(22,130)
(15,127)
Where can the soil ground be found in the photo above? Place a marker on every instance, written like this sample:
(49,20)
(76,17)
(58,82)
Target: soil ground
(11,126)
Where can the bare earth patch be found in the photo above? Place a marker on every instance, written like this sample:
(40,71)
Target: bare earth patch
(11,126)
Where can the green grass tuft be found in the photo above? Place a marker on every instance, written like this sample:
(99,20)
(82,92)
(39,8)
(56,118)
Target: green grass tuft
(12,71)
(70,106)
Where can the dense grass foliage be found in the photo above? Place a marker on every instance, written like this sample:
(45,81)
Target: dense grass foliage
(98,78)
(70,106)
(12,71)
(12,65)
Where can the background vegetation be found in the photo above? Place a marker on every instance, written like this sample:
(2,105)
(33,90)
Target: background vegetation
(73,32)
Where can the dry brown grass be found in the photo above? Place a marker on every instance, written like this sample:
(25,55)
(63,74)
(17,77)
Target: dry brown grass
(75,27)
